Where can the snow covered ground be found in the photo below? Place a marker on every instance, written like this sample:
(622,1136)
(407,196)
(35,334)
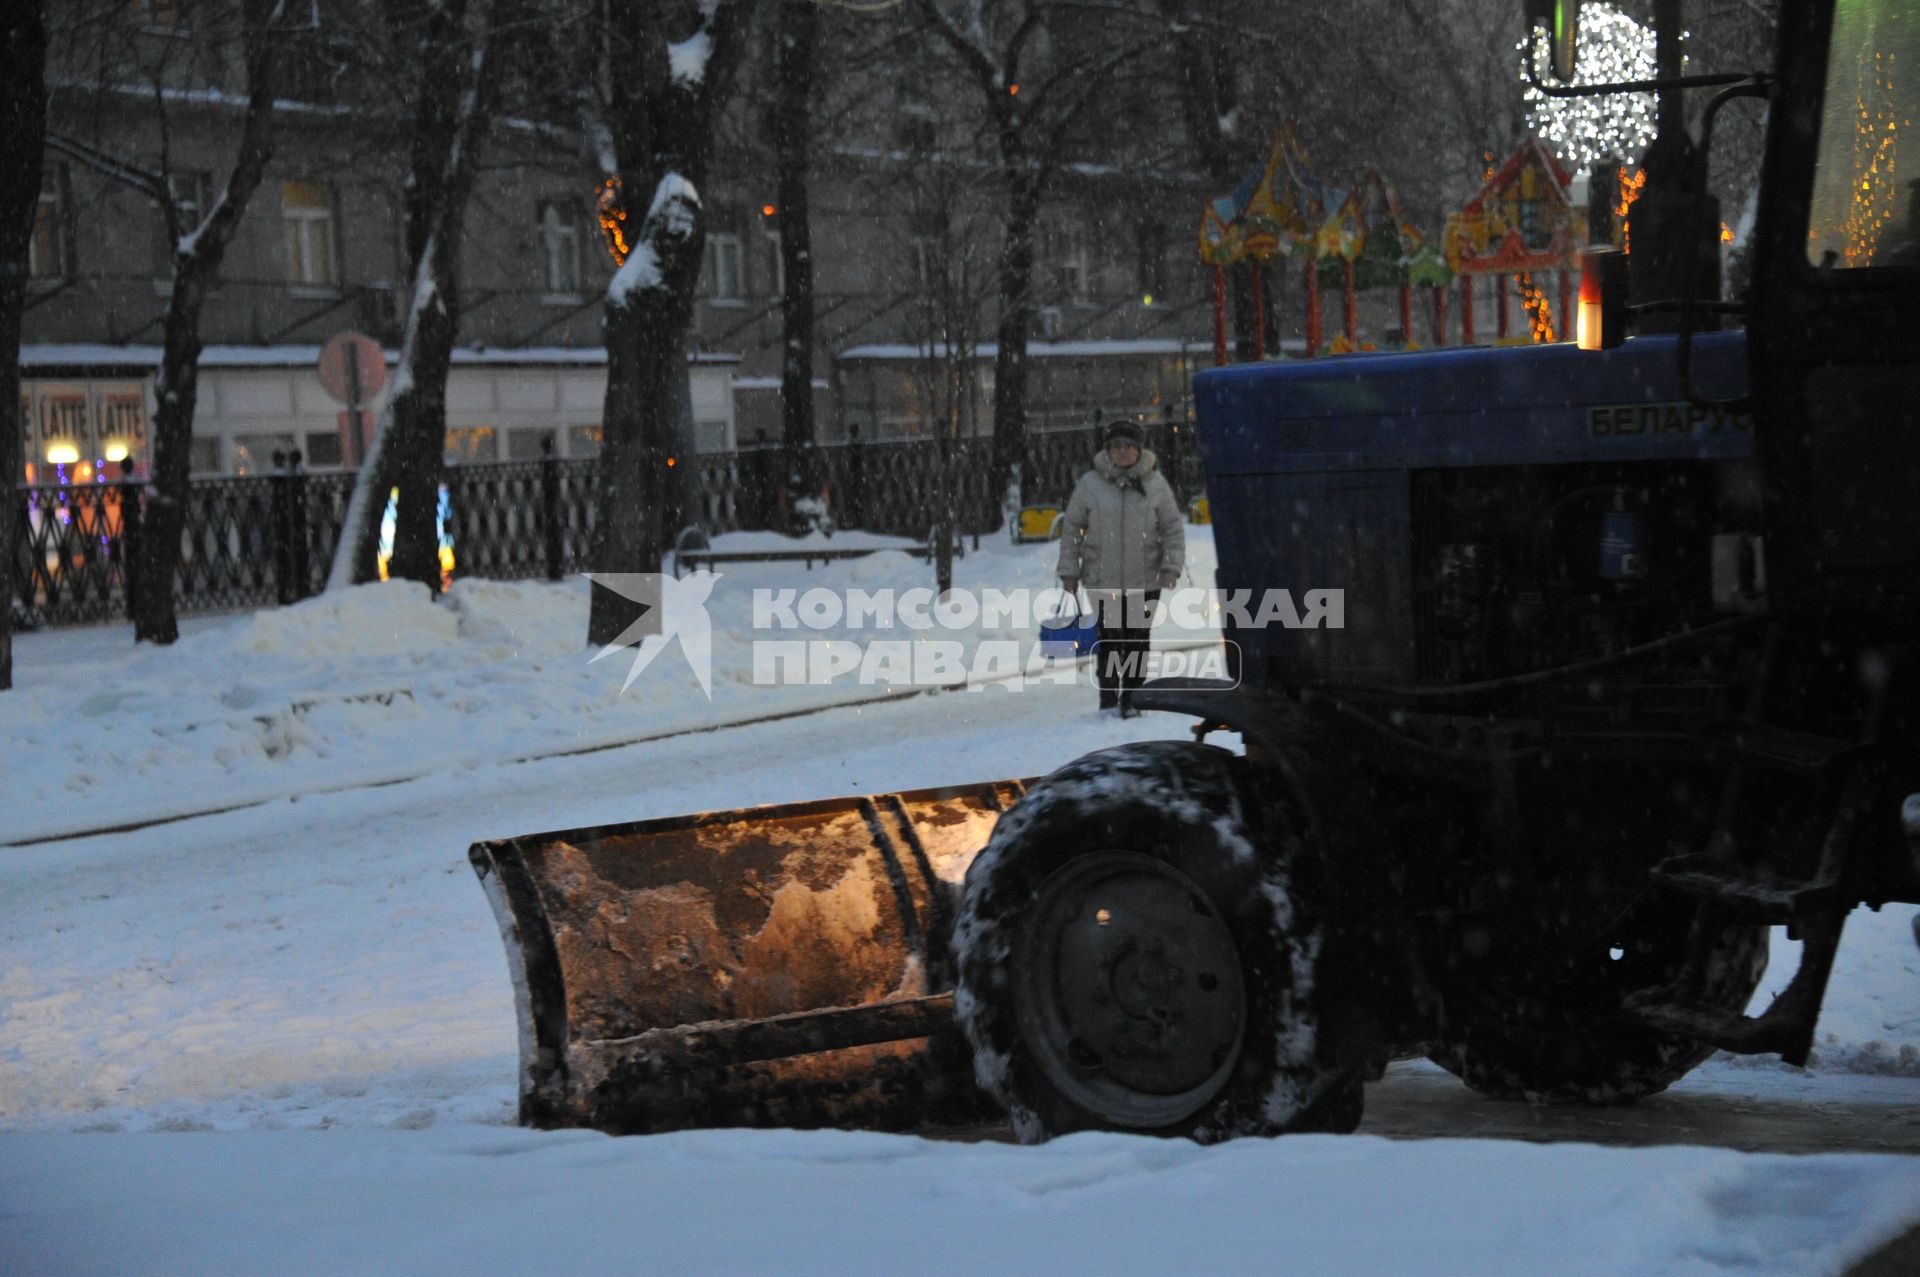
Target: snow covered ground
(381,683)
(281,1039)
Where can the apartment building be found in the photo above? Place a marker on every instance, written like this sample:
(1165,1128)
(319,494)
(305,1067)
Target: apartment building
(1120,304)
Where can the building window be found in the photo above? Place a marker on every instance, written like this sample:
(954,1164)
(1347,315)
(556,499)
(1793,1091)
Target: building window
(253,454)
(583,441)
(324,449)
(527,443)
(468,444)
(720,273)
(306,209)
(1150,261)
(189,191)
(47,253)
(776,262)
(559,249)
(203,455)
(1067,250)
(121,414)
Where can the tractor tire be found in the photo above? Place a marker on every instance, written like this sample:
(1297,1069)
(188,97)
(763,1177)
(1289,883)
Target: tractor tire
(1128,959)
(1520,1036)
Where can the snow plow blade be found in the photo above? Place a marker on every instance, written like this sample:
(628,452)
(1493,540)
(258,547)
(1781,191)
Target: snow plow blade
(772,966)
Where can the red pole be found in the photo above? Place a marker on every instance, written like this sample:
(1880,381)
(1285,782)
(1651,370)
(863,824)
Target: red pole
(1500,306)
(1259,308)
(1351,317)
(1439,314)
(1565,332)
(1466,310)
(1313,308)
(1406,314)
(1219,316)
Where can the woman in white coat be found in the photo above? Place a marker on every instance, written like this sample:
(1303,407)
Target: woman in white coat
(1123,538)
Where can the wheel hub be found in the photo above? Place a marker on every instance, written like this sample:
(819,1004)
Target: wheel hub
(1128,988)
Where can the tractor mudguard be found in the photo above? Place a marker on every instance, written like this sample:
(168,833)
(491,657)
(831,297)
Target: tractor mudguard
(784,965)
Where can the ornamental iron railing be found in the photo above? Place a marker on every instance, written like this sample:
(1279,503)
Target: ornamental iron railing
(257,540)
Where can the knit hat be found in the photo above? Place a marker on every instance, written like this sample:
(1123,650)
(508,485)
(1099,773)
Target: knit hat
(1122,429)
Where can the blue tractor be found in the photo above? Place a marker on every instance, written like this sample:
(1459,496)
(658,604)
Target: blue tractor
(1626,674)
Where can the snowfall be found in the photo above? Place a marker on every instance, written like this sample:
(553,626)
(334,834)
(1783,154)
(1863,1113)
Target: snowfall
(255,1014)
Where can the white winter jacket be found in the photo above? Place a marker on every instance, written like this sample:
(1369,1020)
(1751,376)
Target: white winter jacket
(1122,527)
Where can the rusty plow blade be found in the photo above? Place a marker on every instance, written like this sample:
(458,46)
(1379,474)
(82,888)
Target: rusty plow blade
(773,966)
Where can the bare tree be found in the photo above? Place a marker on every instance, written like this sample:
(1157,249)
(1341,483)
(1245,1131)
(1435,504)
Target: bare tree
(23,121)
(1033,96)
(106,58)
(952,291)
(666,71)
(197,253)
(454,47)
(797,43)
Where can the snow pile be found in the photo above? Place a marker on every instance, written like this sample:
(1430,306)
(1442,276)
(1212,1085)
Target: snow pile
(392,619)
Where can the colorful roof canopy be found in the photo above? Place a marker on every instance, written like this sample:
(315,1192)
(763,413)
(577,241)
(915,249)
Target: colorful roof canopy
(1274,213)
(1286,211)
(1522,219)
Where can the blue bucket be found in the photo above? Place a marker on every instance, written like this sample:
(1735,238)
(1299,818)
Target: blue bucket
(1069,636)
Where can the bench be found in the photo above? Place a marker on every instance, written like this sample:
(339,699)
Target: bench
(685,561)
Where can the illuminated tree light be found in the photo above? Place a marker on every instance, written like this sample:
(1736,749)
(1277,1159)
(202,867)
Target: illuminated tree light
(1539,310)
(1631,184)
(1584,131)
(1875,158)
(612,215)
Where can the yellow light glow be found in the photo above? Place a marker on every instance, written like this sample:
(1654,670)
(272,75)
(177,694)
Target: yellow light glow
(62,453)
(1588,324)
(1146,299)
(117,450)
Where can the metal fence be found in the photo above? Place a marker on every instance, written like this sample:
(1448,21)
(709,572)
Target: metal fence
(253,541)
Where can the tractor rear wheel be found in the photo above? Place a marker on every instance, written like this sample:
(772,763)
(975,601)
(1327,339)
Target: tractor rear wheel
(1129,960)
(1551,1031)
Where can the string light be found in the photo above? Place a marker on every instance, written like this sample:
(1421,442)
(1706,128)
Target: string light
(1539,309)
(1631,184)
(1583,131)
(612,215)
(1875,150)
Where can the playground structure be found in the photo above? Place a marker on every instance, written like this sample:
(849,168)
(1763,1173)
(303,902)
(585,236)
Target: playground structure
(1520,225)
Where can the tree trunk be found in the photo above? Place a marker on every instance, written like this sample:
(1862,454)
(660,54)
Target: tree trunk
(169,489)
(419,443)
(799,40)
(661,124)
(196,264)
(23,126)
(1016,312)
(453,108)
(630,534)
